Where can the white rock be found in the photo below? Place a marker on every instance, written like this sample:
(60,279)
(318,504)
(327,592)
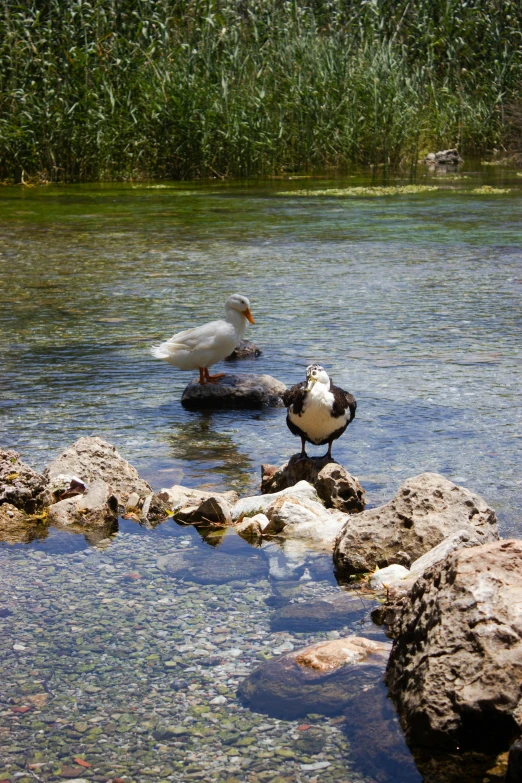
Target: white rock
(318,765)
(248,507)
(390,576)
(218,700)
(292,519)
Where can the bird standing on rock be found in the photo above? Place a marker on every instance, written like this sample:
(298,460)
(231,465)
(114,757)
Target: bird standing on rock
(318,411)
(203,346)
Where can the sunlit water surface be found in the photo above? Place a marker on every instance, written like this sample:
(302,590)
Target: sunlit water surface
(412,303)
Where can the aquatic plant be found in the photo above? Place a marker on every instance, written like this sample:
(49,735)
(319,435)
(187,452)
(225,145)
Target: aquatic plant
(391,190)
(184,88)
(489,190)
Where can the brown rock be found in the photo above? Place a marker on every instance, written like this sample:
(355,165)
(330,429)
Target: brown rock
(335,486)
(455,671)
(20,485)
(96,508)
(425,510)
(245,350)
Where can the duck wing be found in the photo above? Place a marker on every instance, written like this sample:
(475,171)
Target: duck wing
(295,397)
(344,403)
(201,337)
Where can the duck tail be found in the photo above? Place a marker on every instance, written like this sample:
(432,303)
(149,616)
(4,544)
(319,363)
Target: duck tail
(159,352)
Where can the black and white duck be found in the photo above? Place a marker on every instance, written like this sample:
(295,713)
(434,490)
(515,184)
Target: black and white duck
(318,411)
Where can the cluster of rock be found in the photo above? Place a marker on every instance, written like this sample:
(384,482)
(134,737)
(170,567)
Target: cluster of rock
(443,158)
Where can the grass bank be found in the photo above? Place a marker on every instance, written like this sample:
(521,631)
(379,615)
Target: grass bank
(188,88)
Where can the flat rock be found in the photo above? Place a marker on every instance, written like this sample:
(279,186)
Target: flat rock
(17,528)
(92,459)
(245,350)
(210,512)
(20,485)
(212,567)
(178,497)
(455,671)
(235,391)
(426,510)
(335,486)
(321,678)
(324,615)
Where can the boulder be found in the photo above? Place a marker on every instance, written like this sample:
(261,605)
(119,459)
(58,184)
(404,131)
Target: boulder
(324,615)
(455,671)
(92,459)
(245,350)
(235,391)
(321,678)
(426,510)
(259,504)
(20,485)
(94,509)
(209,566)
(17,528)
(335,486)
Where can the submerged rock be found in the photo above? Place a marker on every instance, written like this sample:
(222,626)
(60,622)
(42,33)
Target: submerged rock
(455,671)
(321,678)
(235,391)
(376,740)
(17,528)
(245,350)
(20,485)
(212,567)
(426,510)
(325,615)
(335,486)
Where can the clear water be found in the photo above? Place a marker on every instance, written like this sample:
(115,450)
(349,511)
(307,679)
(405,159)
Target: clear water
(412,303)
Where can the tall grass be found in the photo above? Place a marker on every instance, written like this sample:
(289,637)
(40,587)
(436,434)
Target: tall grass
(187,88)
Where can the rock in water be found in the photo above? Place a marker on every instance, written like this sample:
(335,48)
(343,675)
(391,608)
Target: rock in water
(97,508)
(335,486)
(321,678)
(235,391)
(443,158)
(20,485)
(245,350)
(455,671)
(212,567)
(318,615)
(426,510)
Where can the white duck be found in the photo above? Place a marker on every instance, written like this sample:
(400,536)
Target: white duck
(206,345)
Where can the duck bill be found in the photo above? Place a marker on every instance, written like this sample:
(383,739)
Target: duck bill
(310,384)
(248,315)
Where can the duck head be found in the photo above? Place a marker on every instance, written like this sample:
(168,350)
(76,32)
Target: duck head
(316,374)
(241,304)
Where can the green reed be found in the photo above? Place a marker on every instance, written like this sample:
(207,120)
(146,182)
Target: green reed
(187,88)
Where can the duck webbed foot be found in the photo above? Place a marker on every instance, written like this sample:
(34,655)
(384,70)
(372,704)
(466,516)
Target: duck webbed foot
(213,378)
(303,454)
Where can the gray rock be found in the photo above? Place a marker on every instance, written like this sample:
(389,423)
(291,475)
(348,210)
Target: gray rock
(212,567)
(292,518)
(17,528)
(20,485)
(321,678)
(97,508)
(211,512)
(245,350)
(335,486)
(235,391)
(91,459)
(455,671)
(426,510)
(325,615)
(459,540)
(178,497)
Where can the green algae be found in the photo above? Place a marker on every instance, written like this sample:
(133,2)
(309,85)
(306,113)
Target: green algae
(371,191)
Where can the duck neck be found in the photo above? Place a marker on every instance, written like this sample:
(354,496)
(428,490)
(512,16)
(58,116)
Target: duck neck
(238,321)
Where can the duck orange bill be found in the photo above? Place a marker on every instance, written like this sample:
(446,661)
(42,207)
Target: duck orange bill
(248,315)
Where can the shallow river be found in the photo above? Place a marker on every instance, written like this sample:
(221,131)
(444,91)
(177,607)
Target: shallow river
(411,302)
